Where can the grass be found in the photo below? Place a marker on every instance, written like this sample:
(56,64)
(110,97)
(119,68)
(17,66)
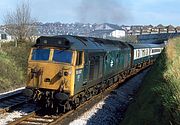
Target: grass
(158,101)
(13,62)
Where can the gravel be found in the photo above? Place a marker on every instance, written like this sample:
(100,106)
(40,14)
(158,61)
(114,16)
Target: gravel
(5,118)
(10,116)
(111,109)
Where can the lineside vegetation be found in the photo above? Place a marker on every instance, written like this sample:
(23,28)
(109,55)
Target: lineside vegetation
(158,101)
(13,62)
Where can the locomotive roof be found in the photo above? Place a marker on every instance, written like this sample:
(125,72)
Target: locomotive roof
(79,43)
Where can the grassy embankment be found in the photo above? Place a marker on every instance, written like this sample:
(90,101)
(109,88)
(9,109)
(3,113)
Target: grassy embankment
(13,63)
(158,101)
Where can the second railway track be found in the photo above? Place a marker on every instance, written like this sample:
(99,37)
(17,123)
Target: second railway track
(7,103)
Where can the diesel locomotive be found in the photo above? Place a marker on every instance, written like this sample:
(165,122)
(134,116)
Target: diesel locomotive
(64,71)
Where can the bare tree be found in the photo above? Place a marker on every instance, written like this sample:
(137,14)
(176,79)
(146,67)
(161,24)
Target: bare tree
(19,23)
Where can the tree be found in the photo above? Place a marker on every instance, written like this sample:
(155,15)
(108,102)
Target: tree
(19,23)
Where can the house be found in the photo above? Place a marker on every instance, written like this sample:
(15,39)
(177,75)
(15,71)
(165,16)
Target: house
(5,37)
(178,28)
(136,29)
(118,33)
(160,26)
(127,28)
(171,29)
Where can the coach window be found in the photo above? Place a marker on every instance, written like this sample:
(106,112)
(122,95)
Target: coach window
(152,50)
(146,51)
(143,52)
(138,53)
(79,58)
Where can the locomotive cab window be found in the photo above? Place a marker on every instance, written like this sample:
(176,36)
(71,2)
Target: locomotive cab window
(40,54)
(64,56)
(79,58)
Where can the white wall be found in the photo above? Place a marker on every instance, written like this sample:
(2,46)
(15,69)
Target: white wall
(118,33)
(8,37)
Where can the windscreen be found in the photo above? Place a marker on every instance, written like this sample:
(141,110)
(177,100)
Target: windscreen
(62,56)
(40,54)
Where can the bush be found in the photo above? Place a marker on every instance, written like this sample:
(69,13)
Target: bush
(13,61)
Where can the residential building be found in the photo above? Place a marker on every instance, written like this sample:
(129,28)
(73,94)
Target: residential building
(5,37)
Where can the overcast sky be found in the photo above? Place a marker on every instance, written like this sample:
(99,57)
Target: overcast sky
(99,11)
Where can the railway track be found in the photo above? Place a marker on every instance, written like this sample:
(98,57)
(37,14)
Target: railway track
(39,117)
(12,101)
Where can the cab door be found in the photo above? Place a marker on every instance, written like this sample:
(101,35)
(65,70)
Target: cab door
(79,71)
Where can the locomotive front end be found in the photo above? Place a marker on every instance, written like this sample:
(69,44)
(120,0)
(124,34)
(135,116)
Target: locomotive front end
(50,72)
